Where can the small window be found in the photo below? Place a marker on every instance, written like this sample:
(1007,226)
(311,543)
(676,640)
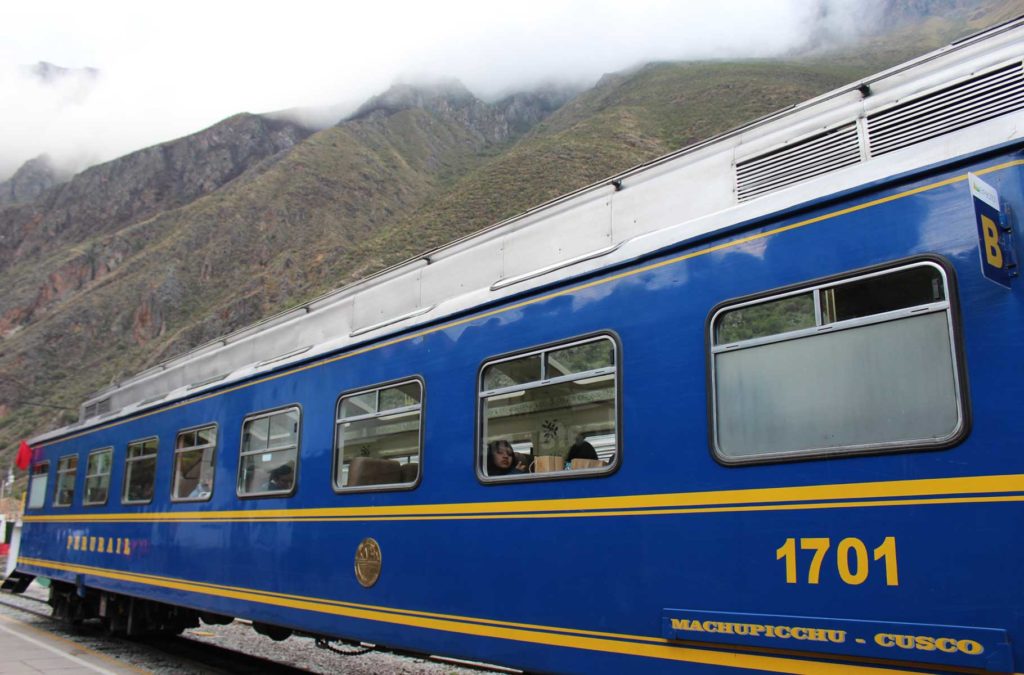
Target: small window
(378,436)
(269,454)
(552,411)
(67,471)
(862,364)
(140,472)
(37,488)
(97,477)
(193,464)
(771,317)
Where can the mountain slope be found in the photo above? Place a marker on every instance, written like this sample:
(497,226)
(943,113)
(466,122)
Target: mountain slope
(624,121)
(111,195)
(633,117)
(75,233)
(257,243)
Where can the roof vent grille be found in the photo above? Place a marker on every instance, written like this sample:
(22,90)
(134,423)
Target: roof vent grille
(96,408)
(971,101)
(798,161)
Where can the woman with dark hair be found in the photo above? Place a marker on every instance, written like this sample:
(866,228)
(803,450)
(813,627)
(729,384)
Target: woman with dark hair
(581,450)
(582,456)
(501,459)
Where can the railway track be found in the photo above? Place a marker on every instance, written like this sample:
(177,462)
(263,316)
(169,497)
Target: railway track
(188,654)
(197,654)
(20,608)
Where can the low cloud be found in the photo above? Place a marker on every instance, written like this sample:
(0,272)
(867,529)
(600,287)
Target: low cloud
(167,71)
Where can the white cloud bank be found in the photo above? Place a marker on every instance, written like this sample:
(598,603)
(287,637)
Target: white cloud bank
(169,69)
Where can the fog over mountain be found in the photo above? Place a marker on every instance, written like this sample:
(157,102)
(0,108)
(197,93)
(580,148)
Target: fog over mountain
(83,85)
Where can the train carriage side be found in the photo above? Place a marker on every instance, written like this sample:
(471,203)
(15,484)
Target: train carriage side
(761,546)
(785,443)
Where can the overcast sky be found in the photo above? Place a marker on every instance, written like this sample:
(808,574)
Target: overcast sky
(168,69)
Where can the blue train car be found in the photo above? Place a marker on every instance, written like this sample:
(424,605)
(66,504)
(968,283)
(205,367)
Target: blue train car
(755,406)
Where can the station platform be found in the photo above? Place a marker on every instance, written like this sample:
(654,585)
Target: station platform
(25,650)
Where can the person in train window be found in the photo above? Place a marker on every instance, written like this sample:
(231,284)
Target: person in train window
(501,459)
(281,478)
(201,490)
(140,492)
(582,450)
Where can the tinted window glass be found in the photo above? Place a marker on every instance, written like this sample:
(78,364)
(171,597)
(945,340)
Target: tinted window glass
(67,471)
(270,452)
(579,359)
(885,293)
(378,437)
(766,318)
(879,382)
(512,372)
(140,472)
(193,464)
(37,488)
(562,420)
(97,477)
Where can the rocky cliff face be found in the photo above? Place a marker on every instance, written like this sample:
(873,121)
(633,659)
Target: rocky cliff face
(497,122)
(72,236)
(28,182)
(109,196)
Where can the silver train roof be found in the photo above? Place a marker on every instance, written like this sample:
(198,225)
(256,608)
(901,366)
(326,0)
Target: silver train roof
(958,99)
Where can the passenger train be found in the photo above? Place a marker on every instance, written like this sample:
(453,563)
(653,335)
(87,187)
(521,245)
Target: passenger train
(754,406)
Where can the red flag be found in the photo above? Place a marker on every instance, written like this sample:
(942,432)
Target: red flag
(24,456)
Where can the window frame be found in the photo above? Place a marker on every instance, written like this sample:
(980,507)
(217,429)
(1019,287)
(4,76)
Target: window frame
(950,306)
(85,486)
(57,481)
(174,461)
(479,453)
(298,449)
(128,459)
(28,497)
(386,487)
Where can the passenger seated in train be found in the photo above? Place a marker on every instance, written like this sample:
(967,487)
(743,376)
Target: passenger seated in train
(281,478)
(140,486)
(582,456)
(142,493)
(201,490)
(502,460)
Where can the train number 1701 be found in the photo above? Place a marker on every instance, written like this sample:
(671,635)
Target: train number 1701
(851,558)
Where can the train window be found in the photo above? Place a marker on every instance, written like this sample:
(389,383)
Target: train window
(37,488)
(863,364)
(67,471)
(378,437)
(139,472)
(194,452)
(97,477)
(269,453)
(550,411)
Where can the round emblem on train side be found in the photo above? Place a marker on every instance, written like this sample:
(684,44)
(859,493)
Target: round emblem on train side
(368,562)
